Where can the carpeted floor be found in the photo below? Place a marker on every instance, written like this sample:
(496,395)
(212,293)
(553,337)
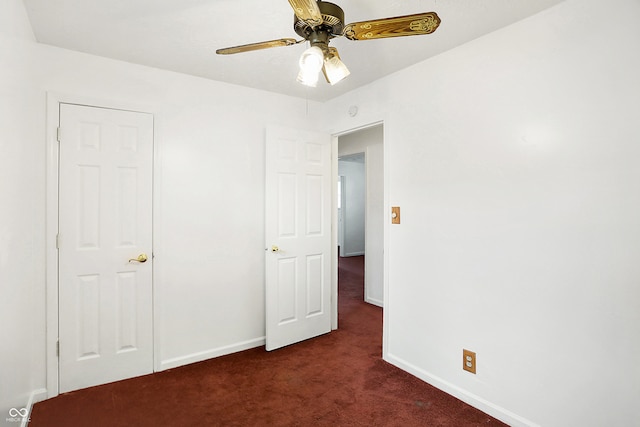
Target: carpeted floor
(338,379)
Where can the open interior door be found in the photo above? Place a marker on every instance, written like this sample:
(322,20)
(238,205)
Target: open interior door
(298,235)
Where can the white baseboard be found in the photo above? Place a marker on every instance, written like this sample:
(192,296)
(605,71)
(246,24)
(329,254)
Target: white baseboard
(352,254)
(374,301)
(35,397)
(210,354)
(495,411)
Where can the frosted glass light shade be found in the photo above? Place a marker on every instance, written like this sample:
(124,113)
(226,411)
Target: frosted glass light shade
(312,59)
(311,62)
(335,70)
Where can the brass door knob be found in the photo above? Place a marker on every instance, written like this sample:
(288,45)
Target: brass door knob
(141,258)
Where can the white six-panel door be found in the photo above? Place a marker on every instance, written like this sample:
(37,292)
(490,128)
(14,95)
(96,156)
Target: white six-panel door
(298,235)
(105,220)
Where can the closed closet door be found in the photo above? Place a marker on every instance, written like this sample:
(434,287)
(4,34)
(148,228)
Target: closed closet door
(105,245)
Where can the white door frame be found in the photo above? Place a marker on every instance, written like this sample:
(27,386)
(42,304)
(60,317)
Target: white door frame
(51,253)
(341,181)
(387,219)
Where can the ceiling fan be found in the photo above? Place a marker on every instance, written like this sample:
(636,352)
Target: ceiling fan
(320,21)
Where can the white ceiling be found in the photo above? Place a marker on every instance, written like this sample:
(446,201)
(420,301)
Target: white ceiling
(182,35)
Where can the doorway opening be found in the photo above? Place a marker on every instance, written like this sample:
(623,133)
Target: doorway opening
(361,207)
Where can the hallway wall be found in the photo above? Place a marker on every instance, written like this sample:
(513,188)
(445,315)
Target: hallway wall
(354,206)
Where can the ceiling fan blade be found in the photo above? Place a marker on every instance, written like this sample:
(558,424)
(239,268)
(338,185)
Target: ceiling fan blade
(308,11)
(409,25)
(257,46)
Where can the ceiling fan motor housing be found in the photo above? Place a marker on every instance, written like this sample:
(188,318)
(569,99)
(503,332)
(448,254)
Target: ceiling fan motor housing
(333,21)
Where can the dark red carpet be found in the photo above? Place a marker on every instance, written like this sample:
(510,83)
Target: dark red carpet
(338,379)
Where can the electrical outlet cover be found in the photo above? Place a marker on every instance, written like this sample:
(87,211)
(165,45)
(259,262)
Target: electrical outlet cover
(469,361)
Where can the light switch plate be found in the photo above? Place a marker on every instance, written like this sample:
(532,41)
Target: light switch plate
(395,215)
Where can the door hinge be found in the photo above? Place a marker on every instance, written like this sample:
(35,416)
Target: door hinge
(57,241)
(58,134)
(58,348)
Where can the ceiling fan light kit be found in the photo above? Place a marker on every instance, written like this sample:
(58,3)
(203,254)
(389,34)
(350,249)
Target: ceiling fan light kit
(325,58)
(311,62)
(320,21)
(334,69)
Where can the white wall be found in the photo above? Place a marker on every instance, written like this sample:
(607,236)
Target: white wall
(515,162)
(22,207)
(14,23)
(209,220)
(353,207)
(370,142)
